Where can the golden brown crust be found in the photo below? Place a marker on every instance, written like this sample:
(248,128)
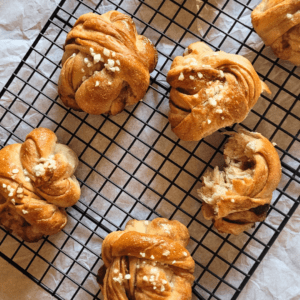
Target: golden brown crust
(153,256)
(277,22)
(210,90)
(240,195)
(36,183)
(106,64)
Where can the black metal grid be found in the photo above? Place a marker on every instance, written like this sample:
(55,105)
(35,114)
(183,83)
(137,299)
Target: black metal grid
(133,166)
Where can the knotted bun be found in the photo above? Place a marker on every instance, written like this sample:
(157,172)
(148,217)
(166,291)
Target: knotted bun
(210,90)
(277,22)
(148,260)
(106,64)
(36,183)
(239,196)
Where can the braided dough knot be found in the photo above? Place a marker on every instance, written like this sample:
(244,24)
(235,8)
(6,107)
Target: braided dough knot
(106,64)
(277,22)
(36,183)
(148,260)
(240,195)
(210,90)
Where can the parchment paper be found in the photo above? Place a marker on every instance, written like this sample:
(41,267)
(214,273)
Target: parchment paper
(277,277)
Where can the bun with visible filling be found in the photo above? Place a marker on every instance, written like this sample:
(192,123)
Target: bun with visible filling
(240,195)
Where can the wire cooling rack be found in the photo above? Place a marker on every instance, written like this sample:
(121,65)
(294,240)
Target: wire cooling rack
(133,166)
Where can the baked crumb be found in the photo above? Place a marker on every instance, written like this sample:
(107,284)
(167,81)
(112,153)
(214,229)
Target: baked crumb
(252,146)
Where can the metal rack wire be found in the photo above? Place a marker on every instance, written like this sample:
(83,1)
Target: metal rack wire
(132,166)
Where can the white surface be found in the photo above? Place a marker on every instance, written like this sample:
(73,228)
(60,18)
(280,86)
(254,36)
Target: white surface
(276,277)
